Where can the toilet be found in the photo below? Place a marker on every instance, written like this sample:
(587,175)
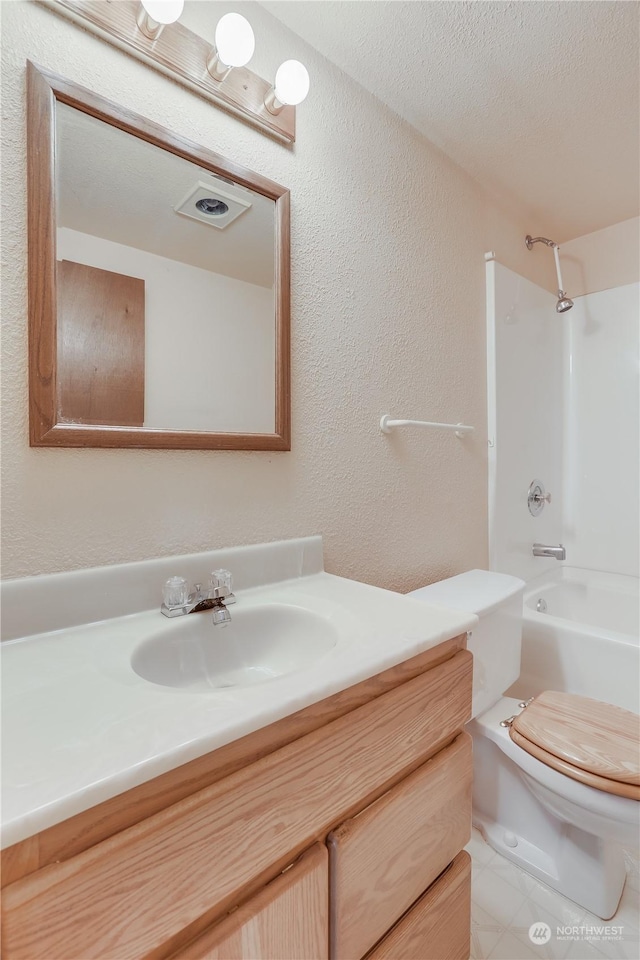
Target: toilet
(556,779)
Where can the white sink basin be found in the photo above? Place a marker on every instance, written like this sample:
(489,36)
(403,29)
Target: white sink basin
(260,643)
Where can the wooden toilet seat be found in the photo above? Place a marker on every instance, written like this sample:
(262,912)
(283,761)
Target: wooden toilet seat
(590,741)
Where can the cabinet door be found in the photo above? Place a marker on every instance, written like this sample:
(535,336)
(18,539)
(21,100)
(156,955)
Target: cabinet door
(288,919)
(383,859)
(438,926)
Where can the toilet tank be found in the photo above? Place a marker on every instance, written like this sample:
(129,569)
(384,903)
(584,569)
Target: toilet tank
(496,598)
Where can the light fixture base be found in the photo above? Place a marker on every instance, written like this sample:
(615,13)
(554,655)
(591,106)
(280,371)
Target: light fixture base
(272,104)
(182,55)
(216,68)
(150,27)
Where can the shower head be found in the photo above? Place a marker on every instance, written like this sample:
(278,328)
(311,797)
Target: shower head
(564,302)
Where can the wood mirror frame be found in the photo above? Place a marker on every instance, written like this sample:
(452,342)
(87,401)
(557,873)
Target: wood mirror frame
(44,90)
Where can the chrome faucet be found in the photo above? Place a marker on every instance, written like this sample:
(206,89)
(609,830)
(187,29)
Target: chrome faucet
(544,550)
(178,601)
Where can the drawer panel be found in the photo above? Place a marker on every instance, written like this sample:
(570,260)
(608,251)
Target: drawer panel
(438,926)
(185,866)
(383,859)
(288,918)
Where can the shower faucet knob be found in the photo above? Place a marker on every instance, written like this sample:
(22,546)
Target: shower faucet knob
(537,496)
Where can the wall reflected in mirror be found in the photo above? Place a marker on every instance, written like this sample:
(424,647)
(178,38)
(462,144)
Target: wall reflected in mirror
(166,287)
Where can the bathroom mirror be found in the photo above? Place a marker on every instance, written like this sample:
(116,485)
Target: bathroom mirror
(158,284)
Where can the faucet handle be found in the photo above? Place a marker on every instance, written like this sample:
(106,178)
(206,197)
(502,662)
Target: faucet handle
(537,496)
(222,584)
(221,579)
(175,592)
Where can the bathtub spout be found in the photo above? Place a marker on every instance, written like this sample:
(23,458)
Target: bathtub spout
(544,550)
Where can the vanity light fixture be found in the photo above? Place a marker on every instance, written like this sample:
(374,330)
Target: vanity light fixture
(150,30)
(234,47)
(290,88)
(153,15)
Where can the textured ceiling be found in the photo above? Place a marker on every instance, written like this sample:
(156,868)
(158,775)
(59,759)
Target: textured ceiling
(538,101)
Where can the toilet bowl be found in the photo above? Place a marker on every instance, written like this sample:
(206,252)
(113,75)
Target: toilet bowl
(545,815)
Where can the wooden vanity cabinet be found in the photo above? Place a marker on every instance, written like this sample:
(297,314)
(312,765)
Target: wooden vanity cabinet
(378,775)
(383,859)
(287,920)
(438,924)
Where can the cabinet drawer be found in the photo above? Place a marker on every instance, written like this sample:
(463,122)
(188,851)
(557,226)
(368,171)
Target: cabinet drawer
(383,859)
(288,918)
(185,866)
(438,926)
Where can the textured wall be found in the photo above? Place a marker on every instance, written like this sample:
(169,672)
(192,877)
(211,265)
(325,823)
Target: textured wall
(388,239)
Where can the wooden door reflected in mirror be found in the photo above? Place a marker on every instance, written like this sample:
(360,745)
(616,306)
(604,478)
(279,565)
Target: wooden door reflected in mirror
(158,284)
(100,315)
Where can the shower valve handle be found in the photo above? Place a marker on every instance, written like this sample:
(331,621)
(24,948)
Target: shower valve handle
(537,496)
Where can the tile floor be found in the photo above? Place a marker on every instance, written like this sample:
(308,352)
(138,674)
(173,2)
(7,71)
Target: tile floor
(505,902)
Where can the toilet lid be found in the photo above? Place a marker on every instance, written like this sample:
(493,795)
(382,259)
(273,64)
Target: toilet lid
(594,742)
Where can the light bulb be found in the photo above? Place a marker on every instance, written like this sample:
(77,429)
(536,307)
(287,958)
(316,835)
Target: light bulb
(292,82)
(163,11)
(234,40)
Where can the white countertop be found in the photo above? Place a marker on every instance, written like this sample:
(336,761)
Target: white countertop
(80,726)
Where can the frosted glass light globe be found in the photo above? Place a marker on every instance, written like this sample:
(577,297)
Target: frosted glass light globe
(292,82)
(234,40)
(163,11)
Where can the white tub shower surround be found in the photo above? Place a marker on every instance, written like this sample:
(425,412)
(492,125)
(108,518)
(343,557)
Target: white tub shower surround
(601,523)
(563,400)
(563,408)
(525,394)
(586,641)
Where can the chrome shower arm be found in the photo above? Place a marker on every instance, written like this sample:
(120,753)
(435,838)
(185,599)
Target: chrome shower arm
(529,240)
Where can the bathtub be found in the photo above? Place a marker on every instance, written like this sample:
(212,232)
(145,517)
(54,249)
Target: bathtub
(587,640)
